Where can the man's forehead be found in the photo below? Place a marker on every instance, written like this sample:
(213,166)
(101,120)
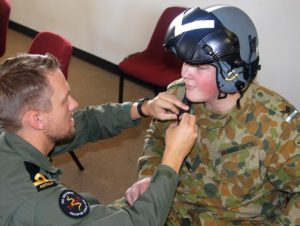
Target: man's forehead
(58,81)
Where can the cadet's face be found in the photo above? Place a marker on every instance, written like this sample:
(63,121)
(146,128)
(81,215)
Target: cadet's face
(59,123)
(200,82)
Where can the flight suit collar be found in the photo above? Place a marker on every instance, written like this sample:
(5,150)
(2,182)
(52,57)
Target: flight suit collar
(30,153)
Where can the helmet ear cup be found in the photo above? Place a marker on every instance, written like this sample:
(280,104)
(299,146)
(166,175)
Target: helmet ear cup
(230,80)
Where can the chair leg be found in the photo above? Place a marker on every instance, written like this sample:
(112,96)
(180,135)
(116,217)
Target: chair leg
(76,160)
(121,86)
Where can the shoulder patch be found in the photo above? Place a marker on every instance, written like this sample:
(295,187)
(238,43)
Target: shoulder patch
(276,104)
(73,204)
(39,180)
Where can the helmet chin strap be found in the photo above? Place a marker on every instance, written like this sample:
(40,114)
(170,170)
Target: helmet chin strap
(238,101)
(222,95)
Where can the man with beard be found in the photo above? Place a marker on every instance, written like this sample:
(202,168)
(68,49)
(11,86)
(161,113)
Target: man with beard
(38,118)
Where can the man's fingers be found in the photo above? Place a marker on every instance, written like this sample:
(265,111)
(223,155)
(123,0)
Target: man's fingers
(189,120)
(131,195)
(174,102)
(185,118)
(192,120)
(138,188)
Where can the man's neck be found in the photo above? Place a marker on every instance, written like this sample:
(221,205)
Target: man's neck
(37,139)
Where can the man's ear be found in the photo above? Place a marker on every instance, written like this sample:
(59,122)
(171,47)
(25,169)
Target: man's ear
(34,119)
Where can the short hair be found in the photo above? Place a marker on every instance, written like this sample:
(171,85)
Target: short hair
(24,86)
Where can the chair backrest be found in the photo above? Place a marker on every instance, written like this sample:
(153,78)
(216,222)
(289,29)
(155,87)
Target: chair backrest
(4,18)
(155,46)
(49,42)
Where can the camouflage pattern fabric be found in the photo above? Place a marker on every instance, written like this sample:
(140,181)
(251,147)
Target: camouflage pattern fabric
(244,168)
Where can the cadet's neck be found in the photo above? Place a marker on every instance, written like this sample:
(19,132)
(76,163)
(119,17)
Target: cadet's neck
(223,105)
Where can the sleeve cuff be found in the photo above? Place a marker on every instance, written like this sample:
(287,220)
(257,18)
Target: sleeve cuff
(126,107)
(165,171)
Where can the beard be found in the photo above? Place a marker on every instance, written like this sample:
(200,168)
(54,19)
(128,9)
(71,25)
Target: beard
(57,135)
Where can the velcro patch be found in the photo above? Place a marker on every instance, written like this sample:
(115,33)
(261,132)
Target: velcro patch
(73,204)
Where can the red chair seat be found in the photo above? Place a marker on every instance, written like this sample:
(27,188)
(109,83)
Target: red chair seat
(150,71)
(49,42)
(4,19)
(154,65)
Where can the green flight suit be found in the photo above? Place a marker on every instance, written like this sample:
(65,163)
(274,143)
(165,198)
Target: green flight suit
(32,195)
(244,168)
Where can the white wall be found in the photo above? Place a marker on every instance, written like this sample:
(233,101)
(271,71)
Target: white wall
(112,29)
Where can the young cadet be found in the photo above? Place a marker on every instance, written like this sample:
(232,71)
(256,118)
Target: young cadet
(245,167)
(38,116)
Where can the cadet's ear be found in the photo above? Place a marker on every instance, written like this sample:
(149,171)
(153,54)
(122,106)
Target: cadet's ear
(34,119)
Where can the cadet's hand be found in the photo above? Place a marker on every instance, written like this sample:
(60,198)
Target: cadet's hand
(164,107)
(179,141)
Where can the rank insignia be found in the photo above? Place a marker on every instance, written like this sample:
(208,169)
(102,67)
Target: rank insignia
(73,204)
(39,180)
(297,141)
(291,116)
(287,110)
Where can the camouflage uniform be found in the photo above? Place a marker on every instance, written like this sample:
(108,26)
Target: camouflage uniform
(244,168)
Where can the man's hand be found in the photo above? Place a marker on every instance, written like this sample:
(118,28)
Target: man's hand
(163,107)
(179,141)
(137,189)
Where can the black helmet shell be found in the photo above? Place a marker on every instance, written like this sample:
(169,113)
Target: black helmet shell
(223,36)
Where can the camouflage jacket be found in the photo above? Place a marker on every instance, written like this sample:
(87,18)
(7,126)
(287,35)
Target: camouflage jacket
(244,168)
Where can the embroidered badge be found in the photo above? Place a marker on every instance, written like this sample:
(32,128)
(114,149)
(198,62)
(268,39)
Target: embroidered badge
(73,205)
(297,141)
(39,180)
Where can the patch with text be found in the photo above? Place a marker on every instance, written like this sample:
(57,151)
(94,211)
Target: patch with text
(73,204)
(240,147)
